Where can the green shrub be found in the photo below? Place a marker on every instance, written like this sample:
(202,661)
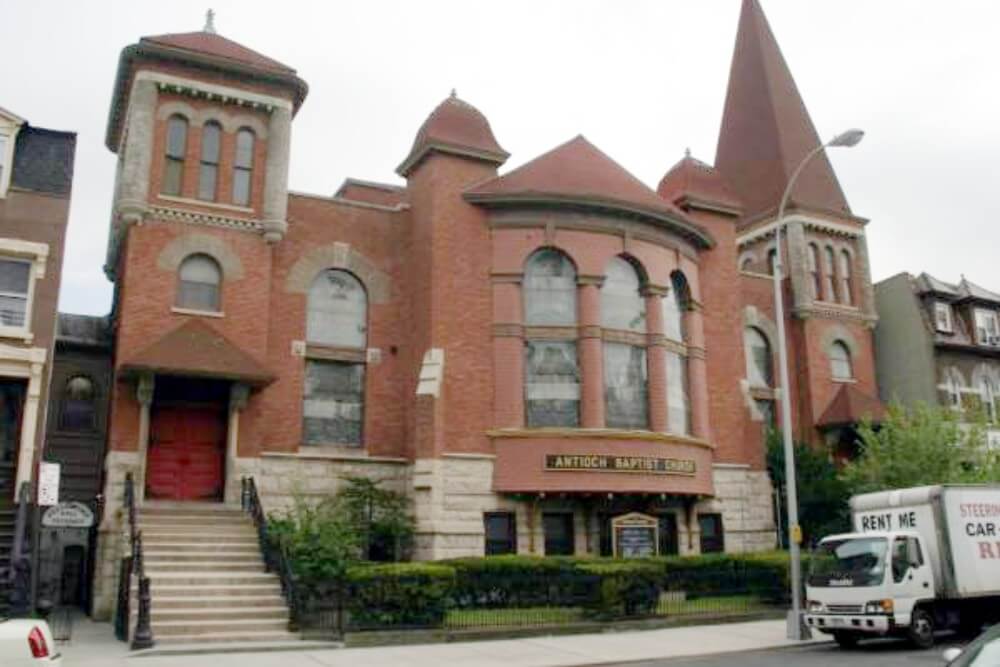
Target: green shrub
(318,540)
(399,594)
(623,588)
(519,581)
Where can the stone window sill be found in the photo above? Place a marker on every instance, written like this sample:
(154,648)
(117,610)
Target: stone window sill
(207,204)
(333,453)
(198,313)
(18,333)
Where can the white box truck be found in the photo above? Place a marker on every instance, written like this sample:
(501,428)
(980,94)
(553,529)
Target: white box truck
(919,560)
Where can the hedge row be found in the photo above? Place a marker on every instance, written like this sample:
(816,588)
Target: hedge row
(420,594)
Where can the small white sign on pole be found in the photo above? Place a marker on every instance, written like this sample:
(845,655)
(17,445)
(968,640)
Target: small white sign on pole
(48,484)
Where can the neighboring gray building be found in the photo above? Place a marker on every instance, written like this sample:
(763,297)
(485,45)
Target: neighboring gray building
(939,343)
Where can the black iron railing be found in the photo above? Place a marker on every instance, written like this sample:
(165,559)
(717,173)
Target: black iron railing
(19,577)
(133,565)
(275,556)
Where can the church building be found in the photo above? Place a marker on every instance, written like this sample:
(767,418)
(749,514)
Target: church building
(527,353)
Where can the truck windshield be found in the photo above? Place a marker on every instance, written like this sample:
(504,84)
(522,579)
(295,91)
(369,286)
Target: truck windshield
(858,561)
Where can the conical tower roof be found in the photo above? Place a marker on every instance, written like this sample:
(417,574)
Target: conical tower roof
(766,130)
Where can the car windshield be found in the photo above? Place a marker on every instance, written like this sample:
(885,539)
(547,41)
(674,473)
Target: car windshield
(856,561)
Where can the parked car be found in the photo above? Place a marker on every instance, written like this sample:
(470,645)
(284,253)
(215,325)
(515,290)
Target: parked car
(983,651)
(27,642)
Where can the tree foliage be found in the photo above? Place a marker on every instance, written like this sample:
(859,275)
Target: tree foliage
(822,495)
(919,446)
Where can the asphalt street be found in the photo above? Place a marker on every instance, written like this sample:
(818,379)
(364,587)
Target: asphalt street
(880,653)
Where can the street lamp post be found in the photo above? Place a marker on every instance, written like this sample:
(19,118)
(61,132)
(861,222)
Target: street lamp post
(796,629)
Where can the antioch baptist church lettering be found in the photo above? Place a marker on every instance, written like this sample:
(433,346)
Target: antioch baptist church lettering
(603,463)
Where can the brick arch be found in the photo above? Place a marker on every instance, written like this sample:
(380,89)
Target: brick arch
(753,318)
(838,333)
(176,108)
(177,250)
(338,256)
(550,246)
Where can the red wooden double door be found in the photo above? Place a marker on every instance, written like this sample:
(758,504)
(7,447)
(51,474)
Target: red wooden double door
(187,453)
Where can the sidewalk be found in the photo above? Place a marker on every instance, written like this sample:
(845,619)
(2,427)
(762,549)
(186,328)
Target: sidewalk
(94,646)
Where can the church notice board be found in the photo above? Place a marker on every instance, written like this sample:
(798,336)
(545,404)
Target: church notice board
(635,535)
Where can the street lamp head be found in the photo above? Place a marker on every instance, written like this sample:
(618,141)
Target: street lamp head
(849,138)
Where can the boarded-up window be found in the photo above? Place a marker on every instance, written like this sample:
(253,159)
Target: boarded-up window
(625,386)
(333,408)
(15,277)
(173,167)
(338,310)
(208,174)
(840,362)
(678,403)
(559,536)
(78,413)
(549,289)
(758,358)
(712,538)
(200,280)
(243,167)
(552,384)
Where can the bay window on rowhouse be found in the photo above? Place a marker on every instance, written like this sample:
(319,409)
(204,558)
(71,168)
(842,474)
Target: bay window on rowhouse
(623,312)
(336,342)
(552,375)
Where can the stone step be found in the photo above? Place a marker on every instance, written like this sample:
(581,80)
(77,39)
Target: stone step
(166,507)
(207,549)
(202,578)
(199,614)
(161,591)
(172,556)
(226,528)
(234,636)
(195,519)
(218,540)
(218,601)
(163,566)
(163,629)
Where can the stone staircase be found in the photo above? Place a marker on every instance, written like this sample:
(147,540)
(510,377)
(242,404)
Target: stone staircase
(8,517)
(207,578)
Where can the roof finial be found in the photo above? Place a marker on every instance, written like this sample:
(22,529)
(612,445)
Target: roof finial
(687,152)
(209,21)
(453,94)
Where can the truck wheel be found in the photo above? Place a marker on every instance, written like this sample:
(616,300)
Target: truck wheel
(921,631)
(845,639)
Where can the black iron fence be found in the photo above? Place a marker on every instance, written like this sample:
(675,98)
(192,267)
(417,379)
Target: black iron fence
(560,597)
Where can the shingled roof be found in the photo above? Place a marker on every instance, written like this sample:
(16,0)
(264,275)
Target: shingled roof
(195,349)
(766,130)
(455,127)
(213,44)
(850,405)
(693,182)
(578,173)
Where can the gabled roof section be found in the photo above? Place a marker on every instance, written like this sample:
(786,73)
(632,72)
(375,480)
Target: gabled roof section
(766,129)
(458,128)
(925,282)
(195,349)
(577,173)
(850,405)
(694,183)
(203,51)
(217,46)
(972,291)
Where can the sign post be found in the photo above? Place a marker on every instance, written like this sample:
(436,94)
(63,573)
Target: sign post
(635,535)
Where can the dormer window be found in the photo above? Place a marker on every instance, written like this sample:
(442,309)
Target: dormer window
(987,330)
(942,317)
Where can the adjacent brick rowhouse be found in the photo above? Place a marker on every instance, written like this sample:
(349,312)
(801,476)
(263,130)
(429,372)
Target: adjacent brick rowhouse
(442,261)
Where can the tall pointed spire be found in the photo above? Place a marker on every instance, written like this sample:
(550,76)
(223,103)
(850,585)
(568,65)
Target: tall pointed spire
(766,130)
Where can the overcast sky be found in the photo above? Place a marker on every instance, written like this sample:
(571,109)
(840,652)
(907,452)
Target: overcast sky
(642,80)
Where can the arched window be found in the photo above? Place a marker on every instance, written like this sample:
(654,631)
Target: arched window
(173,167)
(772,261)
(746,264)
(552,376)
(951,388)
(337,310)
(623,307)
(622,304)
(840,362)
(199,284)
(828,275)
(987,394)
(208,175)
(549,289)
(78,410)
(760,369)
(243,167)
(334,393)
(675,305)
(846,284)
(814,271)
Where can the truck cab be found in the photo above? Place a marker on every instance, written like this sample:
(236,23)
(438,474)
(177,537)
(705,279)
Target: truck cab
(871,584)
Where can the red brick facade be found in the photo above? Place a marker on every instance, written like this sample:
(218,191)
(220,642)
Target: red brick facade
(442,262)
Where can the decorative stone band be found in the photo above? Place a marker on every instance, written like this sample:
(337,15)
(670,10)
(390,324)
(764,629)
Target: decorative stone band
(214,92)
(696,352)
(508,278)
(599,434)
(550,333)
(590,280)
(835,312)
(332,353)
(210,219)
(508,331)
(766,230)
(659,340)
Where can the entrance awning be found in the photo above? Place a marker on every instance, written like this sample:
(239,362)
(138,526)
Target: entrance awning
(196,349)
(849,406)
